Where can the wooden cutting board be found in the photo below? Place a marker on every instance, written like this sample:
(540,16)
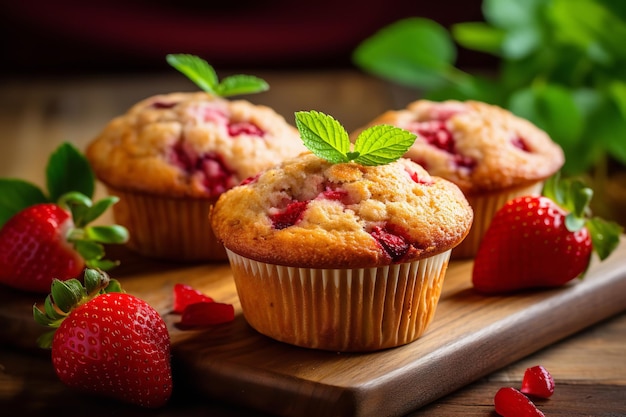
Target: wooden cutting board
(470,337)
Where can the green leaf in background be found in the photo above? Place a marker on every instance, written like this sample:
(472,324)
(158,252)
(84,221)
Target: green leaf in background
(323,135)
(521,42)
(415,52)
(470,88)
(16,195)
(553,109)
(591,27)
(241,84)
(68,170)
(617,146)
(479,36)
(196,69)
(382,144)
(507,14)
(605,130)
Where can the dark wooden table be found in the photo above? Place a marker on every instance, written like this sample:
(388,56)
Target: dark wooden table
(37,115)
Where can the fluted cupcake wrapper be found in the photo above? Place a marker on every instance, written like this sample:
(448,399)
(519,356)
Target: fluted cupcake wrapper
(176,229)
(485,207)
(340,309)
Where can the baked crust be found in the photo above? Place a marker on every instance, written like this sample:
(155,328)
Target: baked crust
(137,151)
(504,150)
(430,213)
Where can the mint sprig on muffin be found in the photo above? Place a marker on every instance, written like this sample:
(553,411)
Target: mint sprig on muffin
(204,76)
(328,139)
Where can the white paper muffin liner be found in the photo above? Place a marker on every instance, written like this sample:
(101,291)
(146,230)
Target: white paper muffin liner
(177,229)
(485,207)
(340,309)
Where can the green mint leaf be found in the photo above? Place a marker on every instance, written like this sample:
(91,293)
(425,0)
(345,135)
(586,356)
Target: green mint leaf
(196,69)
(605,236)
(204,76)
(328,139)
(68,170)
(16,195)
(382,144)
(241,84)
(323,135)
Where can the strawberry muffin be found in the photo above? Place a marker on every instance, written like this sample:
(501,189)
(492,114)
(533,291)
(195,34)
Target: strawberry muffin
(171,156)
(491,154)
(341,256)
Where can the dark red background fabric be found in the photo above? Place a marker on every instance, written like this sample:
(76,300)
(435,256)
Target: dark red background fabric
(123,35)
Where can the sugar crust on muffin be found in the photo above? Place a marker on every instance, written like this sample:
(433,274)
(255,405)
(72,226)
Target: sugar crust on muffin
(190,145)
(307,212)
(480,147)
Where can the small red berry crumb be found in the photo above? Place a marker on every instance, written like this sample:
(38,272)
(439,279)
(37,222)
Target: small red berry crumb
(184,295)
(199,310)
(538,382)
(510,402)
(204,314)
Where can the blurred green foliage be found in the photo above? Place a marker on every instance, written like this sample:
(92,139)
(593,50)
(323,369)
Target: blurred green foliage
(562,65)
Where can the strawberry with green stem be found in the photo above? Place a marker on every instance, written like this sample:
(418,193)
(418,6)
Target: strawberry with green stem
(105,341)
(47,237)
(542,241)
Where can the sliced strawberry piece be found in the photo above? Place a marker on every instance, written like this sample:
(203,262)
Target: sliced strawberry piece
(437,134)
(204,314)
(291,215)
(520,143)
(251,180)
(164,105)
(538,382)
(244,128)
(215,175)
(415,177)
(394,245)
(185,295)
(510,402)
(334,194)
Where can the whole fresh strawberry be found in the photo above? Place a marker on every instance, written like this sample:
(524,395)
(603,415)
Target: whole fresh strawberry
(542,241)
(107,342)
(43,238)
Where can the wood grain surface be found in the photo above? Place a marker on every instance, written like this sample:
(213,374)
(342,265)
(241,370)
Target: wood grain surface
(471,336)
